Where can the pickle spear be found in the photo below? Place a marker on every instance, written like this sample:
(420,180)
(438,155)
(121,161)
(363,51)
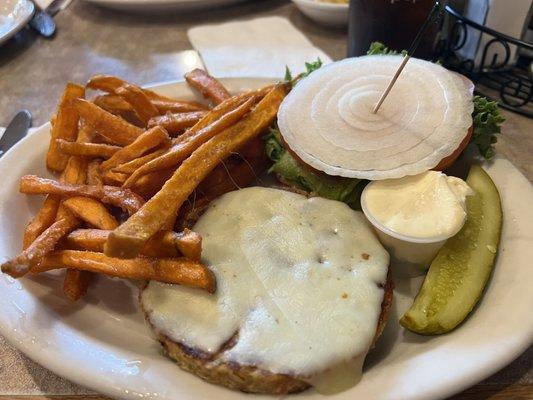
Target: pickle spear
(459,272)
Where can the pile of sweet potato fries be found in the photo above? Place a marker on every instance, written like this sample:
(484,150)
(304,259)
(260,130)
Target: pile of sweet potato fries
(134,166)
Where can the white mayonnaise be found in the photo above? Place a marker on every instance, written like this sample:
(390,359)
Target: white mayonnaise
(298,280)
(428,205)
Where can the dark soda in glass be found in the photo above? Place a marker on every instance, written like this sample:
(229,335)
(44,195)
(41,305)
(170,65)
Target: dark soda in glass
(392,22)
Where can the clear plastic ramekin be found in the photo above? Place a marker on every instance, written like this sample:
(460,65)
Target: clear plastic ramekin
(410,256)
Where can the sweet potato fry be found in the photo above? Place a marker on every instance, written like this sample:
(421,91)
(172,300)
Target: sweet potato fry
(138,100)
(42,245)
(162,244)
(94,178)
(148,185)
(181,271)
(149,140)
(188,242)
(130,166)
(110,84)
(91,211)
(44,218)
(86,239)
(224,108)
(172,244)
(76,283)
(128,239)
(65,126)
(74,172)
(72,282)
(185,145)
(232,177)
(177,106)
(178,122)
(113,178)
(240,176)
(63,212)
(113,128)
(92,150)
(253,149)
(114,104)
(105,83)
(118,197)
(208,86)
(86,133)
(191,212)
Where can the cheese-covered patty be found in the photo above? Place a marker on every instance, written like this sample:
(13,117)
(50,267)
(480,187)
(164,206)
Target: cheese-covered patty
(299,283)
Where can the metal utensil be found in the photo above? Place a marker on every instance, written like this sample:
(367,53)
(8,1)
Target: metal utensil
(42,21)
(43,24)
(16,130)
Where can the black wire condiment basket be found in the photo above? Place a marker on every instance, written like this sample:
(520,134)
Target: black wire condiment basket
(499,77)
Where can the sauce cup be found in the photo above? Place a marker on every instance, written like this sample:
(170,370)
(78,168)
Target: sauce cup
(410,256)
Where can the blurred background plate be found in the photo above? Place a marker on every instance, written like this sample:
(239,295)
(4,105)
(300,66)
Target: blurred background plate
(162,5)
(326,13)
(14,14)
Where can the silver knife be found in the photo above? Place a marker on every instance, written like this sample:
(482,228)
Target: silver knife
(16,130)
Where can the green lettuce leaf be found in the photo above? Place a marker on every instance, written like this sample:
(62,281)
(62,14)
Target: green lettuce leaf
(292,171)
(309,67)
(487,124)
(379,49)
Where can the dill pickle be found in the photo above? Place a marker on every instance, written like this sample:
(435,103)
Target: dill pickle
(459,272)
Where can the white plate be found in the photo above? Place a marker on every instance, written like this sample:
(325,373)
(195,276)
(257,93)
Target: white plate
(163,5)
(14,14)
(102,341)
(330,14)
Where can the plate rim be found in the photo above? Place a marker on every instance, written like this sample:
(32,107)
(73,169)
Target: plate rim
(17,27)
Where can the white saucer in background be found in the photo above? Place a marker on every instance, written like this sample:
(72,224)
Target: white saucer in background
(334,15)
(14,14)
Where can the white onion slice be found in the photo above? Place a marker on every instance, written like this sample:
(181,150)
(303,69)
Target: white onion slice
(327,118)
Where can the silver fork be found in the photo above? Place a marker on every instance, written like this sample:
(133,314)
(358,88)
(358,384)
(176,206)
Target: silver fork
(42,21)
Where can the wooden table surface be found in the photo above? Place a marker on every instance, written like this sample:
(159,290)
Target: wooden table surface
(146,49)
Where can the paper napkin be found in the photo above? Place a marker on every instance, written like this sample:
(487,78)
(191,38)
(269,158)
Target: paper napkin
(261,47)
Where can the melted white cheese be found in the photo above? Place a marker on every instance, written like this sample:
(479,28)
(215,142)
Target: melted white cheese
(297,280)
(427,205)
